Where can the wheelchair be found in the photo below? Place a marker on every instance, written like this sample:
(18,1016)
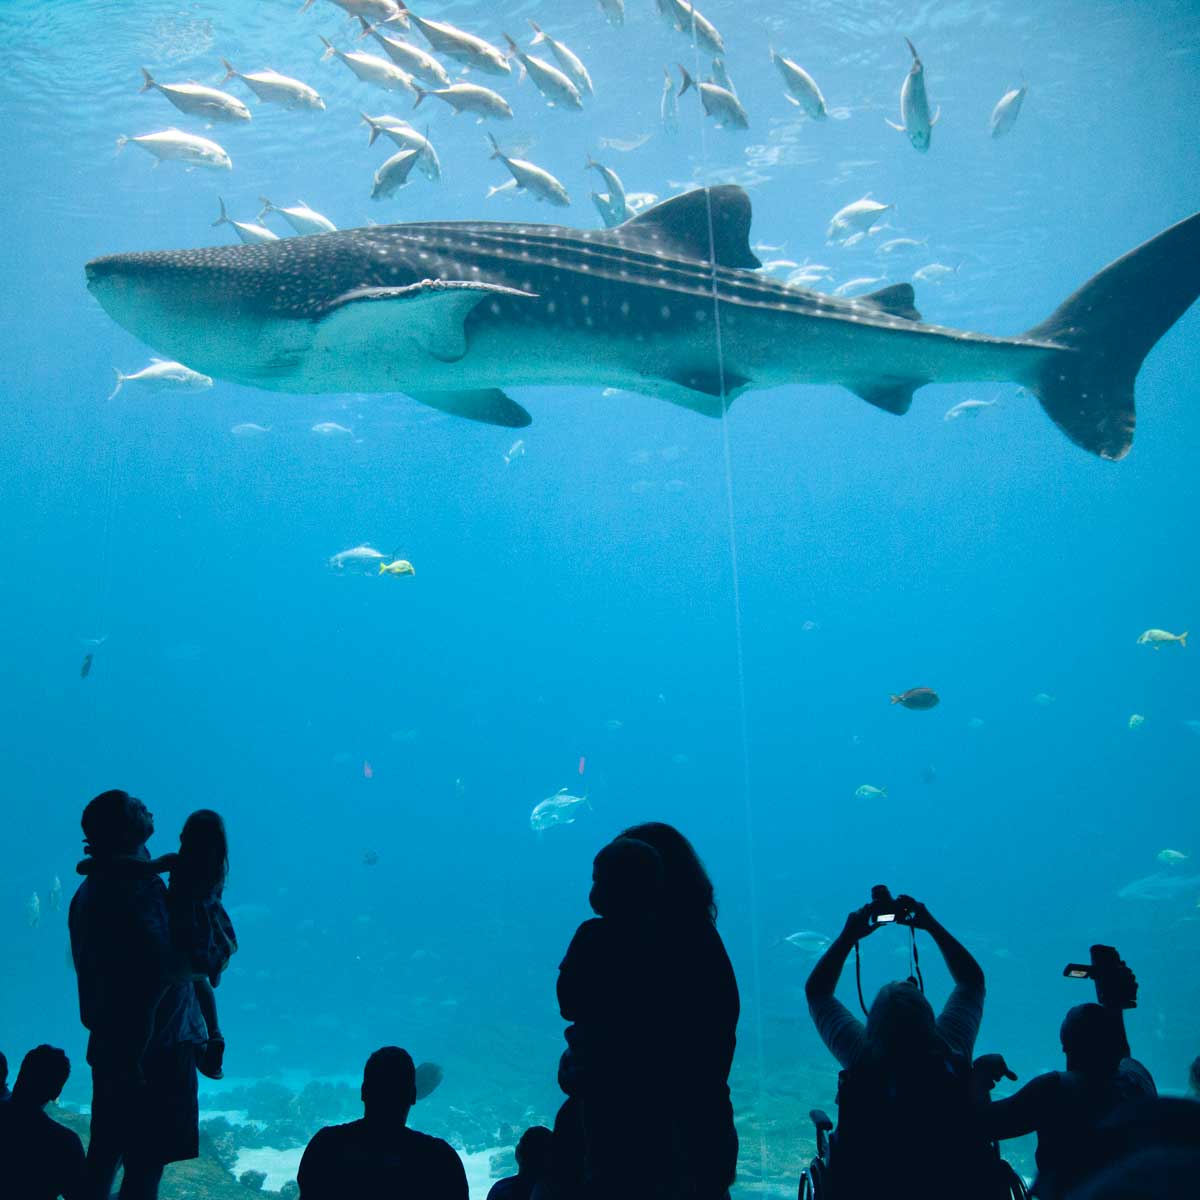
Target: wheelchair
(817,1180)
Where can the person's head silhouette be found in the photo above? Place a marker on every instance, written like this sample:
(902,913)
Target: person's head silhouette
(1092,1041)
(389,1086)
(115,822)
(687,889)
(42,1077)
(901,1022)
(204,849)
(627,879)
(533,1152)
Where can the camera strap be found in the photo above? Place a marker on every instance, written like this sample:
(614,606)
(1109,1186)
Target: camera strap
(858,979)
(914,963)
(915,959)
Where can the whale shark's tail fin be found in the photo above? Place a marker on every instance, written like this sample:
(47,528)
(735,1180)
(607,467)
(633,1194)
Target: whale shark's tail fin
(1106,329)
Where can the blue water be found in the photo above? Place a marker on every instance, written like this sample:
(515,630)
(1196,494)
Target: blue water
(741,596)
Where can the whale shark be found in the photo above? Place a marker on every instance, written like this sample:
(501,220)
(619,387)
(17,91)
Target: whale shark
(668,304)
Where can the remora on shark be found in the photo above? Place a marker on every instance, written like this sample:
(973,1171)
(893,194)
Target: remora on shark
(667,304)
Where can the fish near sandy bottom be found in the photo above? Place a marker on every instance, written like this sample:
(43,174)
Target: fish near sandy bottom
(452,312)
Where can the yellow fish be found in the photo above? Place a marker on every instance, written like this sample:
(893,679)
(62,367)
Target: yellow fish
(1158,637)
(400,567)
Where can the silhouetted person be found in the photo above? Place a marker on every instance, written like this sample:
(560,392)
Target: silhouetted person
(1194,1077)
(201,930)
(654,1003)
(200,926)
(1151,1152)
(533,1166)
(1066,1109)
(610,986)
(39,1158)
(141,1013)
(379,1156)
(904,1103)
(4,1093)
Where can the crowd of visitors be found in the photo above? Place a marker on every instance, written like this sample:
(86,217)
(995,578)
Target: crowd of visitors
(652,1007)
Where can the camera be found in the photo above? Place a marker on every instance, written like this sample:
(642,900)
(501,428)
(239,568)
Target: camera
(886,910)
(1116,986)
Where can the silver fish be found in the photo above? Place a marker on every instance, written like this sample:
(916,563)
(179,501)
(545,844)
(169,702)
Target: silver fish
(560,809)
(472,98)
(720,103)
(300,217)
(407,138)
(534,179)
(802,88)
(555,86)
(177,146)
(394,173)
(371,68)
(914,106)
(461,46)
(409,58)
(1008,107)
(161,375)
(272,88)
(247,231)
(209,104)
(570,62)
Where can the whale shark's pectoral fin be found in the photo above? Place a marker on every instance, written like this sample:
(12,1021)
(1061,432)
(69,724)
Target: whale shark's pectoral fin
(432,313)
(489,405)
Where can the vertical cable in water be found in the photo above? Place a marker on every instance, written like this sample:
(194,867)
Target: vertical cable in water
(103,595)
(743,723)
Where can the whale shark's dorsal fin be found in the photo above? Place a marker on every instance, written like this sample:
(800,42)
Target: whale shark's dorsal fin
(716,217)
(896,299)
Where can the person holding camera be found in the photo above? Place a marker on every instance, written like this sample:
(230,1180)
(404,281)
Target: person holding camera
(905,1126)
(1068,1109)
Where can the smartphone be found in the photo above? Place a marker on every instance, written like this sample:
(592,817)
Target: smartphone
(1077,971)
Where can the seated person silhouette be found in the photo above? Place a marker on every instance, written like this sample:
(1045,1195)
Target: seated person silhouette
(533,1167)
(39,1158)
(378,1155)
(1067,1109)
(905,1072)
